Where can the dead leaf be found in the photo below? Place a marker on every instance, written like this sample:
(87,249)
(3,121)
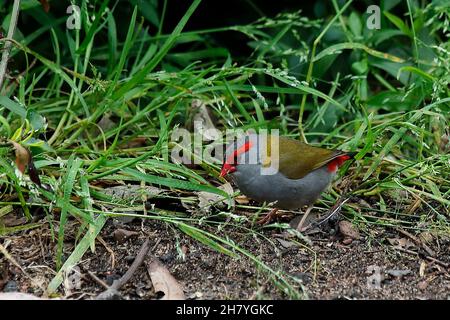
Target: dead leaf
(106,123)
(402,243)
(364,203)
(33,173)
(285,244)
(18,296)
(422,285)
(398,273)
(13,221)
(241,199)
(137,142)
(122,235)
(422,268)
(426,237)
(22,156)
(347,240)
(348,230)
(132,192)
(208,199)
(444,145)
(202,121)
(414,206)
(163,281)
(24,159)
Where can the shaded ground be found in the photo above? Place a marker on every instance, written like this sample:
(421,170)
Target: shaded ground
(388,266)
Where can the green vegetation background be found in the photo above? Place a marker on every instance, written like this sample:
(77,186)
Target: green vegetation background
(98,105)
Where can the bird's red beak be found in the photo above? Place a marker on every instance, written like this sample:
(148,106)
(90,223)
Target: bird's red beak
(229,164)
(226,169)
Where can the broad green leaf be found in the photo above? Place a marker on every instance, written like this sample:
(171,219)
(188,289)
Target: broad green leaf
(354,22)
(13,106)
(424,75)
(398,23)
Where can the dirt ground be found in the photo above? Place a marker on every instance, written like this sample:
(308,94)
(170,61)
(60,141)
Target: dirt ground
(383,264)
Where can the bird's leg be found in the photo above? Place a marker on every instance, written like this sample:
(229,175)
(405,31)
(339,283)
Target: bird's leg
(300,224)
(268,217)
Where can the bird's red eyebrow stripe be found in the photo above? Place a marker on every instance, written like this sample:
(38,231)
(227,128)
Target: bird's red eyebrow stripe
(239,151)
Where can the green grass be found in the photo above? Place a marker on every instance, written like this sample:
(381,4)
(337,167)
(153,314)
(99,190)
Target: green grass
(78,105)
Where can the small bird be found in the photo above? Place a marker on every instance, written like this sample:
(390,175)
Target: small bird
(275,169)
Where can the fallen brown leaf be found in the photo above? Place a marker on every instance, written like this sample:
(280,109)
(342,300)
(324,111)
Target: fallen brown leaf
(348,230)
(398,273)
(202,120)
(163,281)
(33,173)
(242,199)
(208,199)
(18,296)
(122,235)
(422,285)
(137,142)
(22,156)
(423,266)
(426,237)
(402,243)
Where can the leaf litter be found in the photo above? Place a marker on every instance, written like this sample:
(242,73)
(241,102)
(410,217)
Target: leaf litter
(327,269)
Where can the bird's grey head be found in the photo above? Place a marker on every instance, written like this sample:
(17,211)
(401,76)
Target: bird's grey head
(250,149)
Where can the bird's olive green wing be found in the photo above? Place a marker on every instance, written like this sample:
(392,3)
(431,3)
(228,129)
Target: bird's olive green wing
(297,159)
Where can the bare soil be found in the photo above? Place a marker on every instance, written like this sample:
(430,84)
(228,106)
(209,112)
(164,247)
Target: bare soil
(382,264)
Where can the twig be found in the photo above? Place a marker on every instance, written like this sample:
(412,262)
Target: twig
(11,29)
(136,263)
(442,263)
(16,264)
(332,212)
(156,244)
(417,241)
(20,75)
(445,265)
(97,279)
(113,290)
(111,252)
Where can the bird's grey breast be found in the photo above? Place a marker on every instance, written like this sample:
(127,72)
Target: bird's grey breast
(287,193)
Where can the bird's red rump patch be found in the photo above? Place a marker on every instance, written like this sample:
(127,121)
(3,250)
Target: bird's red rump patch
(334,164)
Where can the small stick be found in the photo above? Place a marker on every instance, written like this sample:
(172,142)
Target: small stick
(97,279)
(16,264)
(156,244)
(445,265)
(111,252)
(113,290)
(417,241)
(136,264)
(333,211)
